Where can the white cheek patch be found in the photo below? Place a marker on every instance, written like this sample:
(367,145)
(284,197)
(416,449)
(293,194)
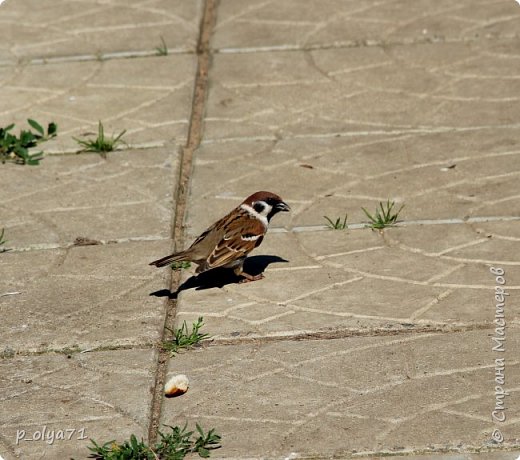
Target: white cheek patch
(250,237)
(252,212)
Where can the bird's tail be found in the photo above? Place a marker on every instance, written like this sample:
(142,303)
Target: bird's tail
(177,257)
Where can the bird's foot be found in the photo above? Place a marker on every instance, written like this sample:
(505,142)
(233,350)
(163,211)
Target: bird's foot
(248,278)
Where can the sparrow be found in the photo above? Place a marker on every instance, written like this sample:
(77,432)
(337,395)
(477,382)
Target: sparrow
(229,240)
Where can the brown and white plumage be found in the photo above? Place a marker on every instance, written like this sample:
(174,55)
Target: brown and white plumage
(228,241)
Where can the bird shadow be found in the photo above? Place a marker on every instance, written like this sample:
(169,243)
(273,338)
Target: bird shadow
(220,277)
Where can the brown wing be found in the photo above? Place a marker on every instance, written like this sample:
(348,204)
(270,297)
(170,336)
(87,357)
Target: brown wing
(243,233)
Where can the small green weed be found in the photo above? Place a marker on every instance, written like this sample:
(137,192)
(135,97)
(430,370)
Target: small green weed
(179,442)
(338,224)
(133,449)
(383,216)
(180,265)
(101,144)
(16,149)
(205,442)
(162,50)
(172,446)
(184,339)
(2,241)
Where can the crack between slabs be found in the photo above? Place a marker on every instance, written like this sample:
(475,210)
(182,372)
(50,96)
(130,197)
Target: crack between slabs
(195,131)
(363,43)
(295,229)
(346,333)
(332,334)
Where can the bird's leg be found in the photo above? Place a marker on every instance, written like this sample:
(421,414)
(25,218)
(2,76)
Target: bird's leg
(247,277)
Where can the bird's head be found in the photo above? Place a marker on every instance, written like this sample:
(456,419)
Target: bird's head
(266,204)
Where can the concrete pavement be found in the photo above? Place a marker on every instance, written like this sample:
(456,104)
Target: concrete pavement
(357,343)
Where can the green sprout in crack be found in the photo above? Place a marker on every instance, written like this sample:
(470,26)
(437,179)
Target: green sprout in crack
(338,224)
(2,241)
(182,265)
(174,445)
(179,442)
(184,339)
(101,144)
(16,149)
(383,216)
(132,449)
(162,50)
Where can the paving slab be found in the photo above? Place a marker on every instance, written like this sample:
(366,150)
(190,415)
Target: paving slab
(102,395)
(82,297)
(81,229)
(330,280)
(420,393)
(34,29)
(436,176)
(333,125)
(390,89)
(294,24)
(153,107)
(126,196)
(461,456)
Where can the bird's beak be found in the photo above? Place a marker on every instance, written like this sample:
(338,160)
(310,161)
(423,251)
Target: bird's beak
(282,206)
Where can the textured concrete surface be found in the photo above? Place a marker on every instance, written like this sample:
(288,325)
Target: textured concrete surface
(122,93)
(45,29)
(92,395)
(335,397)
(358,343)
(320,283)
(299,24)
(126,196)
(91,296)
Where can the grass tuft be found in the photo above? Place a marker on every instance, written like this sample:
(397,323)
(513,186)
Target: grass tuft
(2,241)
(101,144)
(132,449)
(338,224)
(184,339)
(174,445)
(384,215)
(162,49)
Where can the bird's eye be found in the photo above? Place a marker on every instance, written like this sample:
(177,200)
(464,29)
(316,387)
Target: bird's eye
(259,207)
